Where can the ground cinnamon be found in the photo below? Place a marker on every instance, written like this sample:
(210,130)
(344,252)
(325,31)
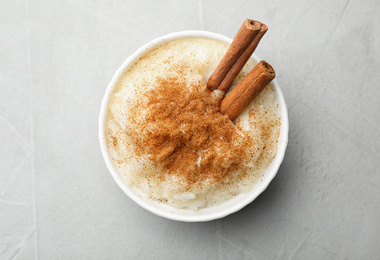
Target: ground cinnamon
(184,131)
(242,47)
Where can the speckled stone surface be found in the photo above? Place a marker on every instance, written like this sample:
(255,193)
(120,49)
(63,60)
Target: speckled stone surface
(57,199)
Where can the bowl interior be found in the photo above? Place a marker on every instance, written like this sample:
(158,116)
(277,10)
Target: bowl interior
(204,214)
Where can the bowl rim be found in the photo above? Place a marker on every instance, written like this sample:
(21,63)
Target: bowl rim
(253,194)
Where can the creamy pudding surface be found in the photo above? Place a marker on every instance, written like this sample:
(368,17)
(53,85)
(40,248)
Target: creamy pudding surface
(166,135)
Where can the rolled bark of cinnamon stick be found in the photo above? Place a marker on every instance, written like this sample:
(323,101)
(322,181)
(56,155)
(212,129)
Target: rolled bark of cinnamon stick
(247,90)
(237,55)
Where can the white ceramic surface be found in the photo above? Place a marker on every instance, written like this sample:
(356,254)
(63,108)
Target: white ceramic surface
(209,213)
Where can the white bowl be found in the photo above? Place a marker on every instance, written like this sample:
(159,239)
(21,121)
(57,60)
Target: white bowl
(209,213)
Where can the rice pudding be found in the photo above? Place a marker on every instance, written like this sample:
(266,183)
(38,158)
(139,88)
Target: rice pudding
(166,135)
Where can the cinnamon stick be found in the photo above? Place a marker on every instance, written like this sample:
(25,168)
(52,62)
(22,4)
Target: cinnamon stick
(247,90)
(242,47)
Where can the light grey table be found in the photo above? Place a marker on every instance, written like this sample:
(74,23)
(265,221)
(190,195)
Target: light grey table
(57,200)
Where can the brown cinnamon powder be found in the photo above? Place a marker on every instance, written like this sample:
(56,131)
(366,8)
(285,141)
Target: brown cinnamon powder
(184,131)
